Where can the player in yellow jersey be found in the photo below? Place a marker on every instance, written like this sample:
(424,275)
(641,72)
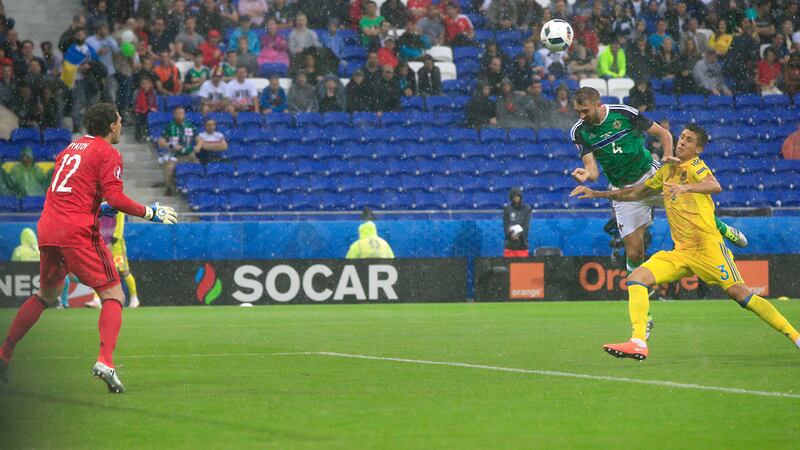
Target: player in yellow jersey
(687,185)
(112,230)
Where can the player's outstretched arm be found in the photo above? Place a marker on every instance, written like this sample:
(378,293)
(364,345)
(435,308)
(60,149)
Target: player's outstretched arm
(624,195)
(709,185)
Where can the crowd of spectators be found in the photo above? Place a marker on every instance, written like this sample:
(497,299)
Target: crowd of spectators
(129,52)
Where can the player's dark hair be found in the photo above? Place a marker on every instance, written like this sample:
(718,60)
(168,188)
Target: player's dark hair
(587,94)
(702,135)
(99,118)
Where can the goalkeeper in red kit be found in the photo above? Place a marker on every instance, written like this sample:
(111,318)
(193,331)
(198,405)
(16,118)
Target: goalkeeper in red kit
(87,171)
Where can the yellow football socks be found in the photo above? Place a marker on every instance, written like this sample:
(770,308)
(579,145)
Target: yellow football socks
(131,283)
(638,306)
(769,314)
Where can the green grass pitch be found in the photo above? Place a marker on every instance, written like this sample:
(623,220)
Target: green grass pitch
(221,377)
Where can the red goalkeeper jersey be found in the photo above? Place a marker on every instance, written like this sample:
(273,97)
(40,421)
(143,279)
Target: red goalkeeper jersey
(87,171)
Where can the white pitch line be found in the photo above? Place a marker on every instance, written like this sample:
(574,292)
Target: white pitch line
(671,384)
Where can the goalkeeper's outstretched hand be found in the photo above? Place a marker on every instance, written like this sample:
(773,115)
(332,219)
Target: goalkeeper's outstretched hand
(106,210)
(161,214)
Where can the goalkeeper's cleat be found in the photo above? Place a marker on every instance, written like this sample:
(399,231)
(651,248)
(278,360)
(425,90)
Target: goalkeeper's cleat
(109,376)
(650,325)
(736,237)
(628,349)
(134,302)
(3,370)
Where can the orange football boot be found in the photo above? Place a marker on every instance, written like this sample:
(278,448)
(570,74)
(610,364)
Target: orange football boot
(628,349)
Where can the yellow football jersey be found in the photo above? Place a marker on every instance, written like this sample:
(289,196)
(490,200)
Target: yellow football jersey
(691,216)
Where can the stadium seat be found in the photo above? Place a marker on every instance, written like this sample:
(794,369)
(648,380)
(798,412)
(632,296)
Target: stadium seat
(468,68)
(620,87)
(610,99)
(194,185)
(440,53)
(173,101)
(776,101)
(462,136)
(278,119)
(31,204)
(396,119)
(466,53)
(267,70)
(8,152)
(307,120)
(189,170)
(59,137)
(415,103)
(242,202)
(691,102)
(493,136)
(552,135)
(25,136)
(269,201)
(748,101)
(439,103)
(223,119)
(720,102)
(9,204)
(666,102)
(336,119)
(597,83)
(365,119)
(45,152)
(227,185)
(566,151)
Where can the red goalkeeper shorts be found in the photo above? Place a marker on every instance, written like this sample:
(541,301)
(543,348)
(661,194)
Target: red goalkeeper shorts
(93,266)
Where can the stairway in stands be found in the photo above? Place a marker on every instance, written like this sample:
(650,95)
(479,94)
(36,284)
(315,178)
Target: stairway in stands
(142,171)
(42,20)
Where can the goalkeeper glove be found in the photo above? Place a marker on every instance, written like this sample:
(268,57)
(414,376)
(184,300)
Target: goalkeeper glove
(106,210)
(161,214)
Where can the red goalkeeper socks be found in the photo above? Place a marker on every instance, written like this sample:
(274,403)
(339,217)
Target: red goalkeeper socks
(26,317)
(109,325)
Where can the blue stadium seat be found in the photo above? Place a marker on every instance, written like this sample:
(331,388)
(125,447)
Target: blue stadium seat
(430,136)
(458,201)
(337,202)
(412,183)
(609,99)
(31,204)
(194,185)
(439,103)
(396,119)
(9,204)
(45,152)
(227,185)
(450,119)
(25,136)
(396,200)
(250,169)
(706,117)
(666,102)
(720,102)
(748,101)
(722,134)
(173,101)
(466,53)
(552,167)
(223,119)
(307,168)
(158,118)
(463,136)
(354,53)
(428,200)
(276,168)
(208,202)
(365,119)
(189,170)
(242,202)
(267,70)
(789,198)
(488,200)
(776,101)
(8,152)
(336,119)
(467,68)
(247,119)
(484,36)
(694,102)
(260,184)
(277,120)
(270,201)
(238,153)
(778,133)
(58,137)
(322,184)
(288,136)
(220,169)
(415,103)
(293,184)
(306,120)
(521,135)
(493,136)
(552,135)
(555,200)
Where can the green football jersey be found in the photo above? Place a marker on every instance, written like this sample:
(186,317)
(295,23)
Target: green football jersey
(617,144)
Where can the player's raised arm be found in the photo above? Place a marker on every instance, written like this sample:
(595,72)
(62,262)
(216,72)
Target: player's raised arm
(664,138)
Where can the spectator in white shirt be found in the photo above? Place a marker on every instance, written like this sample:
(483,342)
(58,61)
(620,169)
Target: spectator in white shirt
(213,93)
(211,143)
(105,46)
(242,93)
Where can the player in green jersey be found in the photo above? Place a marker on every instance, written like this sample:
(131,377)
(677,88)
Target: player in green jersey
(614,136)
